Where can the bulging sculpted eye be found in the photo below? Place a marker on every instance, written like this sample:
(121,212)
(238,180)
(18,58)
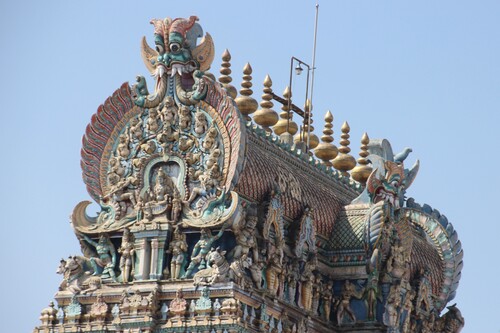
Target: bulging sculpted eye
(160,49)
(175,47)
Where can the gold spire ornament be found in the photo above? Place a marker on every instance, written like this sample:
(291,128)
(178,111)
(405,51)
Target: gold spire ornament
(265,116)
(344,162)
(246,104)
(326,150)
(286,117)
(362,171)
(225,71)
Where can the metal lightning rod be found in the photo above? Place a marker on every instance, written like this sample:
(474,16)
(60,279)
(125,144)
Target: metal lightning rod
(312,76)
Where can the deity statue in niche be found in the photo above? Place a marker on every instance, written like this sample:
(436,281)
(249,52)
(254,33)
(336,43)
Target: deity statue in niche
(161,198)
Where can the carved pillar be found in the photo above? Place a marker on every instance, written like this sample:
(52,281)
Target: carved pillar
(141,259)
(157,257)
(150,253)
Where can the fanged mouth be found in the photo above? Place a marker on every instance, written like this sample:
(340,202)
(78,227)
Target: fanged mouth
(386,196)
(184,70)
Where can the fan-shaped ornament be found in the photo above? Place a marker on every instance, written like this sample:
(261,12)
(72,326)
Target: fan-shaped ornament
(169,157)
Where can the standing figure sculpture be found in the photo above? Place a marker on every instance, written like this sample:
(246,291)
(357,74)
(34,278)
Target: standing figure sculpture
(372,293)
(273,271)
(327,297)
(176,206)
(292,278)
(396,264)
(307,281)
(127,255)
(344,307)
(201,249)
(178,248)
(105,261)
(246,238)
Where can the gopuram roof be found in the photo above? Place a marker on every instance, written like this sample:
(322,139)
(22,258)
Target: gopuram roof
(219,215)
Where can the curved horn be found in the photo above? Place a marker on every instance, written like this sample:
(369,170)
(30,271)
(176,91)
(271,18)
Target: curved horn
(205,52)
(372,182)
(182,25)
(149,56)
(411,174)
(79,217)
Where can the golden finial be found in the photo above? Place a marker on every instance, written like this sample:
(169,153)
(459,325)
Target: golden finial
(225,77)
(246,104)
(303,135)
(265,116)
(362,171)
(327,151)
(286,117)
(344,162)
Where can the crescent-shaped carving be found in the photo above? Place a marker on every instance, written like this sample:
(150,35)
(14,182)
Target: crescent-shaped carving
(412,174)
(230,214)
(79,217)
(148,55)
(205,52)
(372,182)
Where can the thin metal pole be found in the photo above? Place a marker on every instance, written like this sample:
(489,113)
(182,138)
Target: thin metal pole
(312,78)
(289,97)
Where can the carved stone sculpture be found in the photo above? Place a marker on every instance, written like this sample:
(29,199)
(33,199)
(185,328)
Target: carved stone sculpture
(184,118)
(372,294)
(273,269)
(127,255)
(217,272)
(153,122)
(99,309)
(200,122)
(105,261)
(76,280)
(408,308)
(178,248)
(48,315)
(348,292)
(203,304)
(293,276)
(246,240)
(169,112)
(201,250)
(327,297)
(237,270)
(307,280)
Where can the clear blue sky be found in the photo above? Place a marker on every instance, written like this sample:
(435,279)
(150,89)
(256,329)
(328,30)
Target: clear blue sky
(424,74)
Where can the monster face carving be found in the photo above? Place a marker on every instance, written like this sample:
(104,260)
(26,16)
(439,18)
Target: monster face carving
(175,56)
